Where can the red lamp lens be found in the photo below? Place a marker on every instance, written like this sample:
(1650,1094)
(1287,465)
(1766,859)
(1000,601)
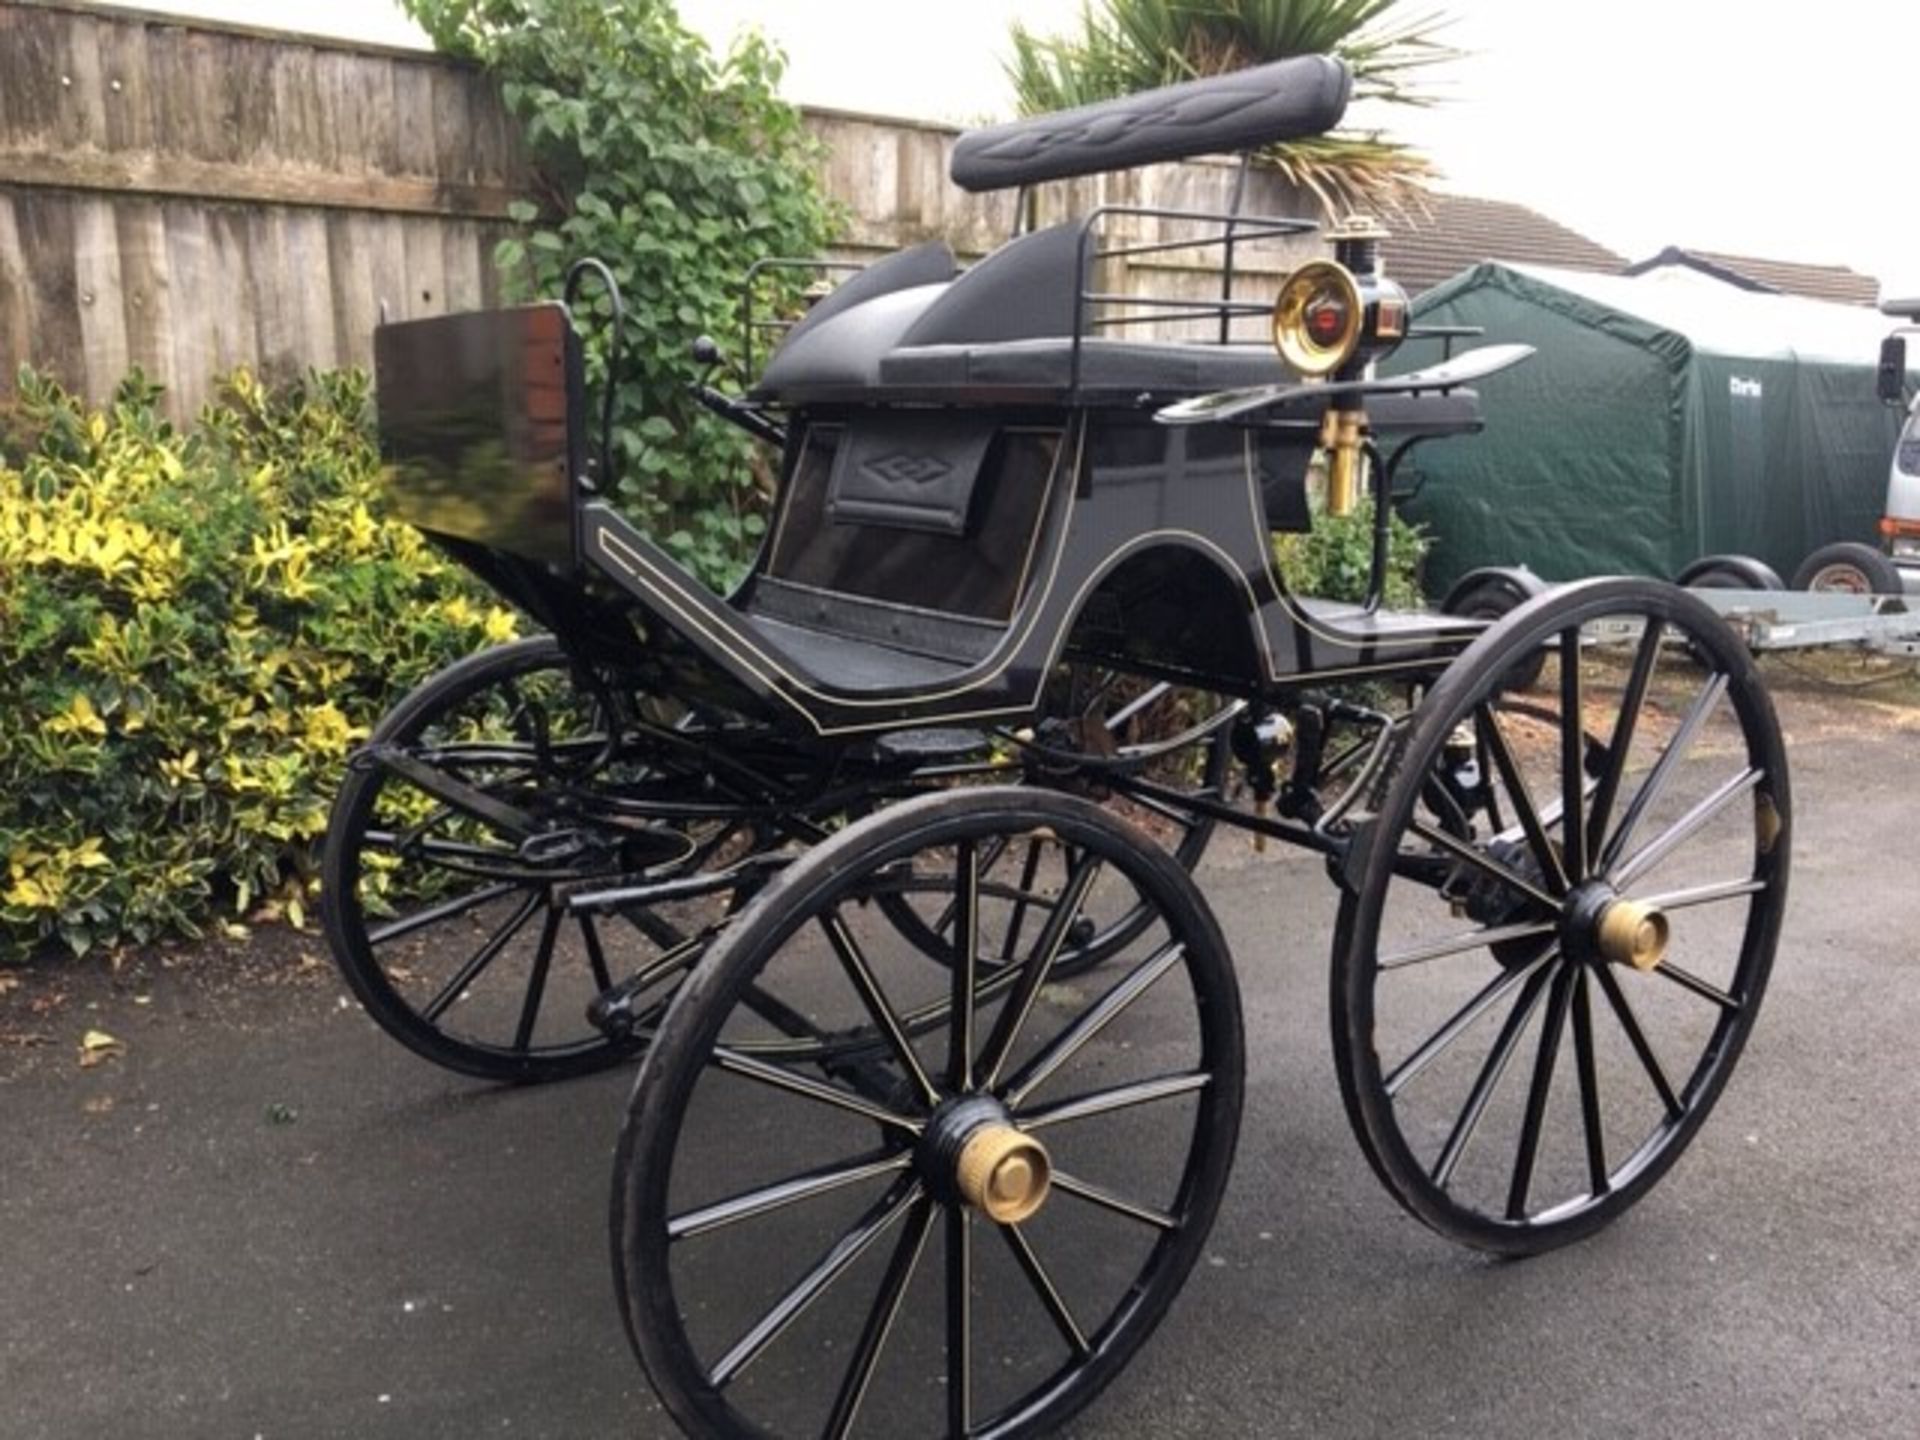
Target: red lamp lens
(1326,320)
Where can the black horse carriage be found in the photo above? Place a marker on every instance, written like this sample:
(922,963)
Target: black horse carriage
(887,1008)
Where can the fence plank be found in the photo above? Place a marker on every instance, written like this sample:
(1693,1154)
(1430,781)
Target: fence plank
(16,297)
(146,289)
(102,306)
(46,241)
(191,286)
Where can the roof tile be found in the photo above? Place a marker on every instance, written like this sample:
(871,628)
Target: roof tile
(1436,236)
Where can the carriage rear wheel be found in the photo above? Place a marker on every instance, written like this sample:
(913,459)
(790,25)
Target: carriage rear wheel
(450,923)
(1531,1024)
(856,1192)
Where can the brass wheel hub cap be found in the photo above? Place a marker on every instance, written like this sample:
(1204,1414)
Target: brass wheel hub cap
(1630,933)
(1004,1173)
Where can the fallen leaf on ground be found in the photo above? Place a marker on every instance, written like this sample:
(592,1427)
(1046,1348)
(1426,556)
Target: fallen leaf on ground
(96,1046)
(98,1105)
(9,983)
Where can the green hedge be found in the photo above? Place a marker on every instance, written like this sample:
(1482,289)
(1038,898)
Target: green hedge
(195,628)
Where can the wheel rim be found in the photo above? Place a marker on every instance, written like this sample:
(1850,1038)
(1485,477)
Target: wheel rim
(454,931)
(1527,1047)
(1841,579)
(868,1187)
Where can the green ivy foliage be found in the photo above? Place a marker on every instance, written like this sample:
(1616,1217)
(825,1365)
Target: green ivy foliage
(679,169)
(195,629)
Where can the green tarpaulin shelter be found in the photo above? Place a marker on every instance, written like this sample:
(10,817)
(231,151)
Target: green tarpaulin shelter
(1667,416)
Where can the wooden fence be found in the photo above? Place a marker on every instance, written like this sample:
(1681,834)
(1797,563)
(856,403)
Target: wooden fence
(188,197)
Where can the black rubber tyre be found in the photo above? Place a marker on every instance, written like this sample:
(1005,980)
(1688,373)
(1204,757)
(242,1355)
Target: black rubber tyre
(1730,572)
(489,979)
(1429,1009)
(803,1102)
(1851,568)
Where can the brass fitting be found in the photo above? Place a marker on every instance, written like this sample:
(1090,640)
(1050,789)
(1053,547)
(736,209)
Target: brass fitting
(1340,438)
(1633,934)
(1004,1173)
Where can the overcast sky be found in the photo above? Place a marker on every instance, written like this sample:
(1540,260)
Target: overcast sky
(1788,132)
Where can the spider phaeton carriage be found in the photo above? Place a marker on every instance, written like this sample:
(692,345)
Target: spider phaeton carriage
(941,1079)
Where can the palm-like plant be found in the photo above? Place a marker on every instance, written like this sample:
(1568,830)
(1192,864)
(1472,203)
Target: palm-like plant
(1129,45)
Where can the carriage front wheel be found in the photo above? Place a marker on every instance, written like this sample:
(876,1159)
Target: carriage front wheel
(1531,1022)
(859,1192)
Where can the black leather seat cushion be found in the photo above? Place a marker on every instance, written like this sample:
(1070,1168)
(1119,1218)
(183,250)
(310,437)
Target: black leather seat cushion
(1107,365)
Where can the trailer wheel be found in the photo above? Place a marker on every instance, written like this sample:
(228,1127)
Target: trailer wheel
(1850,568)
(1490,594)
(1730,572)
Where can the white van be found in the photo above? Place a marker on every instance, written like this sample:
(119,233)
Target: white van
(1901,524)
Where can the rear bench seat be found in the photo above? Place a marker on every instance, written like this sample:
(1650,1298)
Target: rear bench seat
(909,327)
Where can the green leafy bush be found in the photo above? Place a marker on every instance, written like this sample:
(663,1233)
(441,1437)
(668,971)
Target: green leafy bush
(679,169)
(194,631)
(1334,560)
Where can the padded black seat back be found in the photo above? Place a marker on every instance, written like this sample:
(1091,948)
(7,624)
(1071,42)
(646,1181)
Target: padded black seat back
(930,263)
(1243,110)
(1025,290)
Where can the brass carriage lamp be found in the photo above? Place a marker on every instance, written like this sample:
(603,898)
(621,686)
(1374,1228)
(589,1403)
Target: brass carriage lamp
(1331,320)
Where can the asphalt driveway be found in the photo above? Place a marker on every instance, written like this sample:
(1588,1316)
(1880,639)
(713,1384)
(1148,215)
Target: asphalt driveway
(266,1220)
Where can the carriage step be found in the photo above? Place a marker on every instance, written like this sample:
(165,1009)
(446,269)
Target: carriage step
(934,744)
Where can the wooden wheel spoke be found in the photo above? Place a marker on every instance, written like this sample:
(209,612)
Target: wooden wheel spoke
(1039,965)
(1694,985)
(1588,1072)
(1683,829)
(777,1196)
(1114,1201)
(1049,1294)
(1632,701)
(854,962)
(959,1322)
(1104,1012)
(434,914)
(477,963)
(880,1320)
(1490,995)
(1468,940)
(1538,1094)
(736,1062)
(1486,865)
(966,962)
(1119,1097)
(1495,1065)
(983,865)
(1487,725)
(1663,770)
(596,953)
(1573,755)
(884,1214)
(537,979)
(1636,1037)
(1706,894)
(1029,869)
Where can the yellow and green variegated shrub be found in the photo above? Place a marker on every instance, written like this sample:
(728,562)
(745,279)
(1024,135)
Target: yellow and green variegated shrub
(195,631)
